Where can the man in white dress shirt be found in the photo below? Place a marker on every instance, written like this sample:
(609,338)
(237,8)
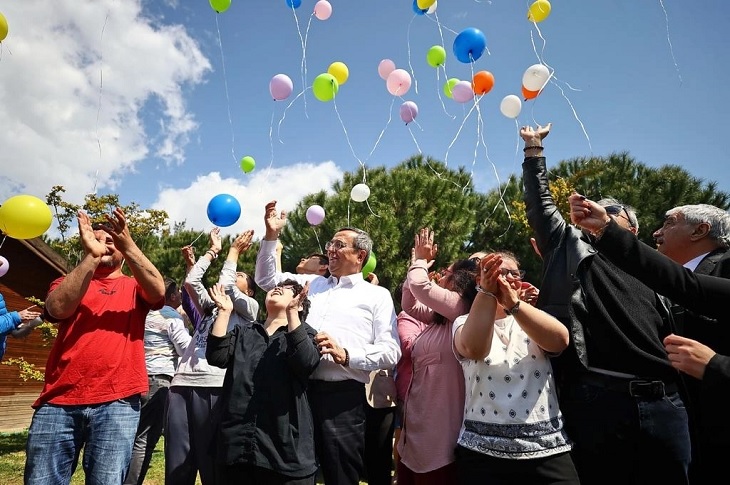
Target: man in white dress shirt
(357,334)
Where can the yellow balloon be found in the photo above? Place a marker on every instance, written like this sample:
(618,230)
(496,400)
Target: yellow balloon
(340,71)
(3,27)
(24,217)
(425,4)
(539,11)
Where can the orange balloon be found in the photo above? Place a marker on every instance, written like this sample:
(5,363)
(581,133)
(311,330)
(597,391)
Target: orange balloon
(527,94)
(483,82)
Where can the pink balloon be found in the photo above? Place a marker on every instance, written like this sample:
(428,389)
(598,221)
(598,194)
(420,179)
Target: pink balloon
(385,67)
(322,9)
(408,111)
(462,92)
(315,214)
(280,87)
(399,82)
(4,267)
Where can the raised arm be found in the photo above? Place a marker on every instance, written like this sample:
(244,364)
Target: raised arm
(220,348)
(243,304)
(194,279)
(267,275)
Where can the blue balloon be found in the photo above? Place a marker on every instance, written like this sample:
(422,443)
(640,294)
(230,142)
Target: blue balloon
(469,45)
(223,210)
(418,10)
(293,3)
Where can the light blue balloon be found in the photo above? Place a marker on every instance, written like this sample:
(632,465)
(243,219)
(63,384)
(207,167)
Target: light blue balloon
(469,45)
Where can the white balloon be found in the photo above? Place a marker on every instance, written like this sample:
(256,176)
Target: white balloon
(535,77)
(360,193)
(511,106)
(4,267)
(432,8)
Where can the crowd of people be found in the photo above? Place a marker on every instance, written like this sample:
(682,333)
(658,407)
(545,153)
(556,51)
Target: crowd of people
(611,370)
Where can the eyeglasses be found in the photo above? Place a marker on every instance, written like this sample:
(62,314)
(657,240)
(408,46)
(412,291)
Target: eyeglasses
(615,210)
(445,272)
(335,245)
(515,274)
(285,287)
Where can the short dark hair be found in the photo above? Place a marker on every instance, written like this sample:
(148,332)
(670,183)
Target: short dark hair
(98,226)
(464,273)
(170,287)
(297,288)
(323,259)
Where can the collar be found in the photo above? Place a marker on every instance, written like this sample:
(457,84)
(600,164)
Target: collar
(693,263)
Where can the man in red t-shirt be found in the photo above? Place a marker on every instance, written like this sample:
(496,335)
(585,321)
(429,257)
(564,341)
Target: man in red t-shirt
(96,369)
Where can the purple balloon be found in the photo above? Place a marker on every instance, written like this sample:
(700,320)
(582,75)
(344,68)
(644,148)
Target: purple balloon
(281,87)
(315,214)
(462,92)
(4,267)
(408,111)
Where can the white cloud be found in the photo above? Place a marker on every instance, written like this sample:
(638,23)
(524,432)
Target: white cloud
(286,185)
(75,78)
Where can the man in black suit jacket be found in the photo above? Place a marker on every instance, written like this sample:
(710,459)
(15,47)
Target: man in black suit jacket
(697,236)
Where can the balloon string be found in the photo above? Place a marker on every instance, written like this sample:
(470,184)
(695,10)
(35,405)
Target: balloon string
(440,25)
(441,34)
(348,211)
(410,66)
(304,52)
(304,60)
(414,139)
(199,236)
(225,85)
(347,137)
(101,87)
(575,114)
(370,209)
(382,132)
(669,41)
(5,236)
(319,244)
(458,132)
(438,90)
(283,116)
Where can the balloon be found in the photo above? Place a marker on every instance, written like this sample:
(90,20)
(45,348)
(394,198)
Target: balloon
(340,71)
(418,10)
(325,87)
(462,92)
(432,8)
(449,87)
(223,210)
(360,193)
(483,82)
(322,9)
(408,111)
(293,3)
(398,82)
(369,265)
(425,4)
(538,11)
(4,267)
(469,45)
(511,106)
(385,67)
(248,164)
(3,27)
(315,214)
(527,94)
(280,87)
(436,56)
(220,6)
(24,217)
(535,77)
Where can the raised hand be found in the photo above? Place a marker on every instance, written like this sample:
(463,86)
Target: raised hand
(274,222)
(243,242)
(188,253)
(215,240)
(424,247)
(91,245)
(296,302)
(490,272)
(534,136)
(587,214)
(529,293)
(116,227)
(222,301)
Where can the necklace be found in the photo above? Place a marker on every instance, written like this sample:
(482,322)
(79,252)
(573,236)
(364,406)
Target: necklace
(503,329)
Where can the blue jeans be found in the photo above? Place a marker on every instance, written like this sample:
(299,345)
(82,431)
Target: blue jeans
(623,439)
(58,433)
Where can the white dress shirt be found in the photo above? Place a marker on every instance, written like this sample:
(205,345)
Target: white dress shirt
(358,315)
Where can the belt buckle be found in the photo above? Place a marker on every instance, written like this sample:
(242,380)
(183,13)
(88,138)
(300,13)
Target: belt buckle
(647,389)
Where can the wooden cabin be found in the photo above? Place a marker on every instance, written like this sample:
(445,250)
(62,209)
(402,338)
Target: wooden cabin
(33,265)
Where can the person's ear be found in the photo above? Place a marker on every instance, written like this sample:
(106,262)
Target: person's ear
(249,292)
(701,231)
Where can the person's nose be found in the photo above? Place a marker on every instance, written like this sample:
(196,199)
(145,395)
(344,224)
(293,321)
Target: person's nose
(657,233)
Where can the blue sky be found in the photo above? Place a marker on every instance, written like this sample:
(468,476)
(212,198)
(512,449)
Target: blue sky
(158,100)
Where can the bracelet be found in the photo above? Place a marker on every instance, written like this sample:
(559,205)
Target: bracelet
(485,292)
(346,363)
(212,253)
(514,309)
(531,147)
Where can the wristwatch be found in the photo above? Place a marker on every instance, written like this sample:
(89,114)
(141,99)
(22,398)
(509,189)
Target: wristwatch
(513,311)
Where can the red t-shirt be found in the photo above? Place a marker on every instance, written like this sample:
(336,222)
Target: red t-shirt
(98,355)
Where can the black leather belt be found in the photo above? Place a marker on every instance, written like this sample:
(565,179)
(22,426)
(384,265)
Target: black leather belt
(639,388)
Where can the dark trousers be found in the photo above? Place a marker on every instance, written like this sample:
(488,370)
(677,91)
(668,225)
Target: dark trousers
(625,439)
(254,475)
(191,428)
(379,444)
(149,430)
(446,475)
(475,468)
(338,412)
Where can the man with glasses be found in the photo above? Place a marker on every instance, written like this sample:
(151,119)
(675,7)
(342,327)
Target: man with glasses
(357,334)
(618,390)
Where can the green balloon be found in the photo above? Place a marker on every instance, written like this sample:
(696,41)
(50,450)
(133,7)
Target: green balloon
(325,86)
(370,265)
(449,85)
(436,56)
(220,5)
(248,164)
